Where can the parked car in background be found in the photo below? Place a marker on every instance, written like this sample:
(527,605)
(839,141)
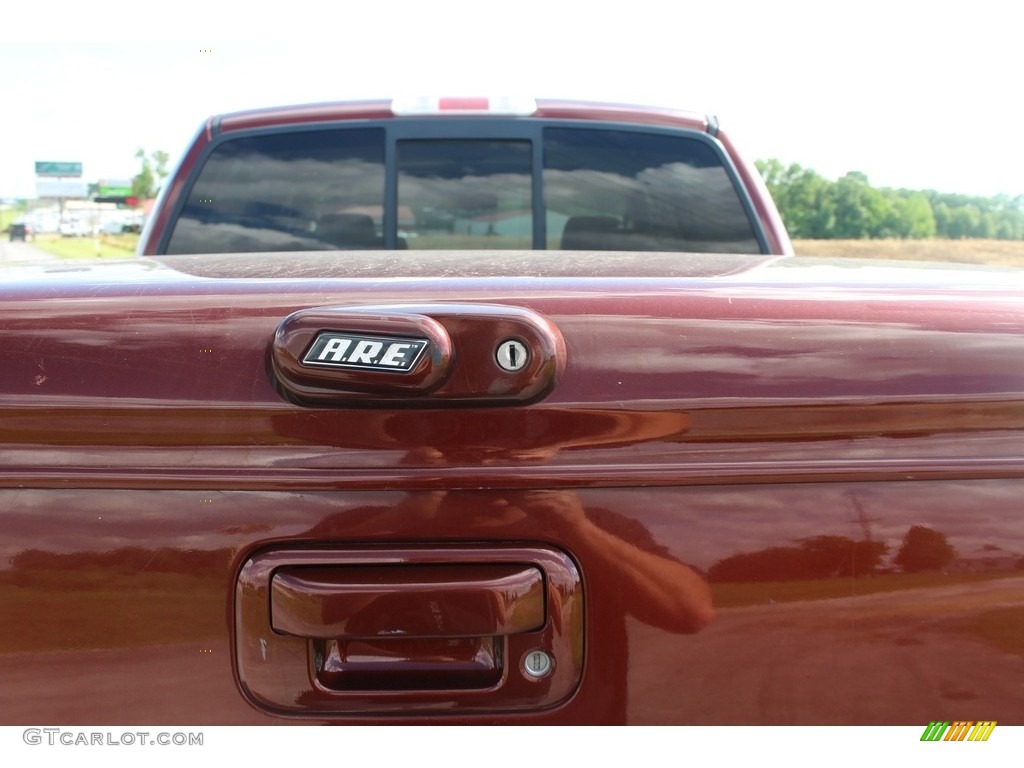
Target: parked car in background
(19,231)
(75,228)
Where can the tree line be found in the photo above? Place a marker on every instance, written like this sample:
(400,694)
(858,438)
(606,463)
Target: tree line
(146,183)
(814,207)
(822,557)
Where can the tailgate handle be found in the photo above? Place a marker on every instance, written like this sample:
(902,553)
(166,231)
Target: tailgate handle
(426,356)
(408,601)
(436,629)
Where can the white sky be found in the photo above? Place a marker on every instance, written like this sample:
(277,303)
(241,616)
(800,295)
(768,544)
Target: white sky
(914,94)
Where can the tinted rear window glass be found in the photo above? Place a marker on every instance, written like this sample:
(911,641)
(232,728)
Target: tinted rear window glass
(307,190)
(634,191)
(603,189)
(465,194)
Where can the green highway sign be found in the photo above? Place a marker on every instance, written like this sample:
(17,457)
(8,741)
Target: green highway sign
(113,191)
(51,168)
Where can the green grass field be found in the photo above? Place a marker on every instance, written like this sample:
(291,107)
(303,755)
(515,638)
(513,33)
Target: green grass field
(7,215)
(105,246)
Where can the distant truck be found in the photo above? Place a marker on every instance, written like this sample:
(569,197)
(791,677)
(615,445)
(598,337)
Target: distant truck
(75,228)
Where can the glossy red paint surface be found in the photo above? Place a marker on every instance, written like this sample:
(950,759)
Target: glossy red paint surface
(173,190)
(764,206)
(728,449)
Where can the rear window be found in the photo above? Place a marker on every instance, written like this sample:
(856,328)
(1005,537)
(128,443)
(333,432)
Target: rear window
(465,194)
(296,191)
(630,191)
(599,189)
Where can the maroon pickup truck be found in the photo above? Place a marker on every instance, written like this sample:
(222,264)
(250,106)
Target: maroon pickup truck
(599,451)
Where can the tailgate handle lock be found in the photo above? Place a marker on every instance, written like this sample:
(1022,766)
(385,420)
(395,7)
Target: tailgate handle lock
(450,629)
(425,355)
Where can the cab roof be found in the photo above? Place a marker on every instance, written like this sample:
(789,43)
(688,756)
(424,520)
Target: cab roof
(384,109)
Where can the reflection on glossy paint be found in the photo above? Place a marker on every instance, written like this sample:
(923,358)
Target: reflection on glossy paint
(837,645)
(836,604)
(779,445)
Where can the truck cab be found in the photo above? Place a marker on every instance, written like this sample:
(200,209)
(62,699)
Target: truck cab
(464,173)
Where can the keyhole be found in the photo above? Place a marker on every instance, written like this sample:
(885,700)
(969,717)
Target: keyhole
(512,355)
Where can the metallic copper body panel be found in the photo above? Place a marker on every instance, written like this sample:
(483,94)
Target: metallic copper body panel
(792,490)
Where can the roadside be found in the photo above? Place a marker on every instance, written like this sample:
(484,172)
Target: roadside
(104,246)
(22,254)
(1000,253)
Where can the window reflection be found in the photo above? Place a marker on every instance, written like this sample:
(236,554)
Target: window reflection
(465,194)
(626,190)
(325,190)
(309,190)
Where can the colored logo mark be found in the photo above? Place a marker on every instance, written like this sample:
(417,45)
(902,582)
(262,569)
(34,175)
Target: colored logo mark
(961,730)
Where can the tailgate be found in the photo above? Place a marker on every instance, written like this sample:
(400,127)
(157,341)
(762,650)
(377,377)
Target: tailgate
(750,495)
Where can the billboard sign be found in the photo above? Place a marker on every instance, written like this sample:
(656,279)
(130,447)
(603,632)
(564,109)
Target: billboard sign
(113,190)
(61,188)
(55,168)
